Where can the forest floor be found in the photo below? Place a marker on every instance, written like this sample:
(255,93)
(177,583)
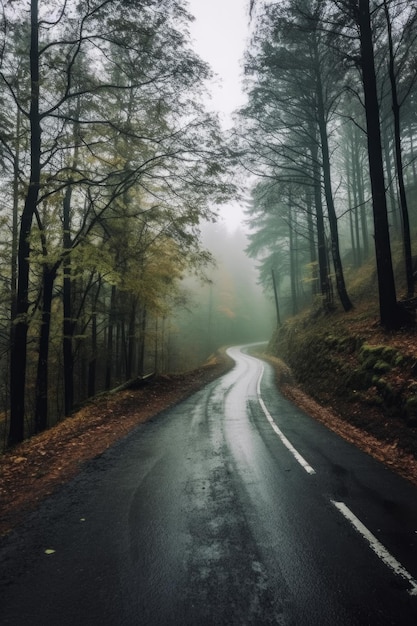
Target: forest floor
(34,469)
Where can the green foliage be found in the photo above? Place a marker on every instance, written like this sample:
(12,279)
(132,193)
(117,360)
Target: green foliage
(304,91)
(131,165)
(379,358)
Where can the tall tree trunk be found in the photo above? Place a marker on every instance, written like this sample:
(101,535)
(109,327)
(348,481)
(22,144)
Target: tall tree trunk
(92,365)
(412,154)
(41,402)
(361,224)
(156,345)
(131,346)
(141,360)
(15,244)
(311,243)
(353,208)
(274,284)
(321,232)
(15,227)
(18,356)
(386,285)
(110,340)
(68,323)
(392,199)
(408,259)
(67,296)
(120,345)
(362,212)
(360,191)
(352,235)
(293,269)
(328,192)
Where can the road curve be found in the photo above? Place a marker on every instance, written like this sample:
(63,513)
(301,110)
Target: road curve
(232,507)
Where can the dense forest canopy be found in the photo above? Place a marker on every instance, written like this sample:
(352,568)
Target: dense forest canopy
(329,134)
(109,163)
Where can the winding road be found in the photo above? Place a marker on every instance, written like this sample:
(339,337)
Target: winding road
(233,507)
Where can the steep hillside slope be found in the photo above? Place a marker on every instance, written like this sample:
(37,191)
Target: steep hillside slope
(348,363)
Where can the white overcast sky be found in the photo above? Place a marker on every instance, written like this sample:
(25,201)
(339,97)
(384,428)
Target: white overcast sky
(219,32)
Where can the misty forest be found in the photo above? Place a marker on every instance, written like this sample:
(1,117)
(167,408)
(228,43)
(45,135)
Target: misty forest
(114,261)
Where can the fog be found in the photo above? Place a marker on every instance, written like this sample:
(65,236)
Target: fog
(229,307)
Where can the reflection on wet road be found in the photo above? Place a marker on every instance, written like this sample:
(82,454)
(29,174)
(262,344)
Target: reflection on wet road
(232,507)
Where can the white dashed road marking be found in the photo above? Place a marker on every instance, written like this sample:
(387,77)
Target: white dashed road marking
(279,432)
(377,546)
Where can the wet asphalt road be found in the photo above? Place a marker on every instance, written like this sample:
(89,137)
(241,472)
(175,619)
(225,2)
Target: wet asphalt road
(232,508)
